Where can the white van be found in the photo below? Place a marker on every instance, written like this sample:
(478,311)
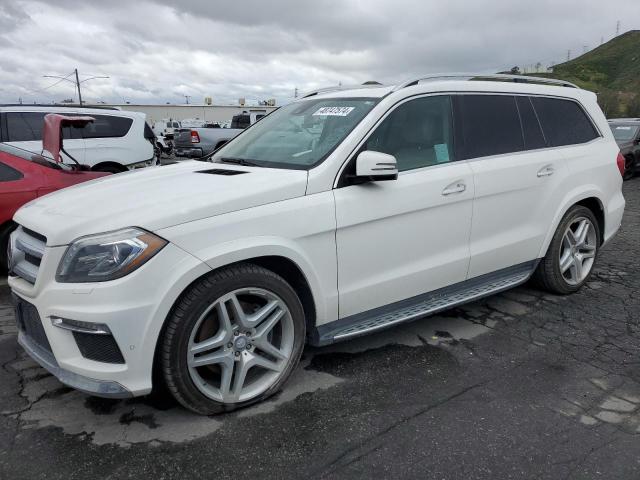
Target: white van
(343,213)
(114,142)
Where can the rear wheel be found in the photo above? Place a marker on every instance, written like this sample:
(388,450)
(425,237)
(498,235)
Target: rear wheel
(569,261)
(232,340)
(109,168)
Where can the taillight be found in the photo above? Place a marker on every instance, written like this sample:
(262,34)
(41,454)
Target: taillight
(620,161)
(195,138)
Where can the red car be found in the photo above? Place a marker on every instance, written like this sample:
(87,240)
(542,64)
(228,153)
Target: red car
(26,175)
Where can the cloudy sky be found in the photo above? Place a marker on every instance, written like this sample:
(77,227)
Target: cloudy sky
(160,50)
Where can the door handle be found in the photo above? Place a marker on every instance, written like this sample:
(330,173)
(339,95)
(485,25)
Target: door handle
(546,171)
(456,187)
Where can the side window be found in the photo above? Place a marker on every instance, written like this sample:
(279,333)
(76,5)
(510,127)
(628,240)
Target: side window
(418,133)
(533,136)
(107,126)
(24,126)
(487,125)
(564,122)
(8,174)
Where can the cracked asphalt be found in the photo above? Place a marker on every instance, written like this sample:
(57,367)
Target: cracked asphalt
(519,385)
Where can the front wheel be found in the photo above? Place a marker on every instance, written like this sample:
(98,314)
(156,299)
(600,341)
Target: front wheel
(569,261)
(232,340)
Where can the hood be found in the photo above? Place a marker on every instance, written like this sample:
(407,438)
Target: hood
(157,197)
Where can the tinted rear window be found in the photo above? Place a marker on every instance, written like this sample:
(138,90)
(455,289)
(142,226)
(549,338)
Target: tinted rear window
(533,137)
(105,126)
(8,174)
(564,122)
(487,125)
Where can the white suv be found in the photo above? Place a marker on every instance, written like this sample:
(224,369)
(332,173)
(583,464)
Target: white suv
(343,213)
(114,142)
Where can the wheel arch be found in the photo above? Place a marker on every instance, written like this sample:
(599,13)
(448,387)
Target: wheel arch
(282,265)
(590,199)
(109,163)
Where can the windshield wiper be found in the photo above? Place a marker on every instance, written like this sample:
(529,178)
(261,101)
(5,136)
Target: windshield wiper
(239,161)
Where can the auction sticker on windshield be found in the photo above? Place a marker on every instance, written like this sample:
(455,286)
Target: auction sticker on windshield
(334,111)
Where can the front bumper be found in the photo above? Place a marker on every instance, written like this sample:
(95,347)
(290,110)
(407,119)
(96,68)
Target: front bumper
(99,388)
(133,308)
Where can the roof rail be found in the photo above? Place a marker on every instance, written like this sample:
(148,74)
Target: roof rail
(56,105)
(483,76)
(337,88)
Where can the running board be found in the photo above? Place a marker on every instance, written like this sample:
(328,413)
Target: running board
(422,305)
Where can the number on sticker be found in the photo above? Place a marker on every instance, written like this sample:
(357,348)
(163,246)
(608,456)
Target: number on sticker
(334,111)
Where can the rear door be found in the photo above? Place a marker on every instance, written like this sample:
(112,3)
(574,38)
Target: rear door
(109,138)
(518,179)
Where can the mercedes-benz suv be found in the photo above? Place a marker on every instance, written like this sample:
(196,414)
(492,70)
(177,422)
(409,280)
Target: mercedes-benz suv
(345,212)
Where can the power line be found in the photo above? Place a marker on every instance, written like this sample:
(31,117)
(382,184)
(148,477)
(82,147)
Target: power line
(77,82)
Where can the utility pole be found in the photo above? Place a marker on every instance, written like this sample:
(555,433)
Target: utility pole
(568,55)
(584,49)
(295,92)
(77,81)
(618,28)
(186,98)
(78,85)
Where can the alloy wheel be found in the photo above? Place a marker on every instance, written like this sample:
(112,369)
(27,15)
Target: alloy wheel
(240,345)
(578,250)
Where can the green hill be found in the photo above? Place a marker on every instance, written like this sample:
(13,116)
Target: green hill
(612,70)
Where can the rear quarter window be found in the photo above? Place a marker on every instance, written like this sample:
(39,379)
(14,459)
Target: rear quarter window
(8,174)
(564,122)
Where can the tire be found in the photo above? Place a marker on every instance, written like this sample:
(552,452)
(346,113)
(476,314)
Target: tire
(109,169)
(629,168)
(198,331)
(551,274)
(5,232)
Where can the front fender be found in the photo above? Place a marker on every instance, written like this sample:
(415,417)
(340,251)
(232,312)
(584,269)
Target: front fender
(249,248)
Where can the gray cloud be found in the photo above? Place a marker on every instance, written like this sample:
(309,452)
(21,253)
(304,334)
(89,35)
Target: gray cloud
(160,50)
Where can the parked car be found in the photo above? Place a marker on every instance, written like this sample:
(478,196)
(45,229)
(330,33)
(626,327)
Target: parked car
(627,133)
(115,142)
(198,142)
(25,176)
(343,213)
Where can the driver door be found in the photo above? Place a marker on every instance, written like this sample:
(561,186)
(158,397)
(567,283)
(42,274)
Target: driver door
(401,238)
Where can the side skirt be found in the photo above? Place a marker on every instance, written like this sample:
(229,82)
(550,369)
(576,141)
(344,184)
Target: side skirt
(422,305)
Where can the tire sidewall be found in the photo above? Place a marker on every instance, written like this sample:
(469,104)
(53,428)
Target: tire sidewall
(186,317)
(556,245)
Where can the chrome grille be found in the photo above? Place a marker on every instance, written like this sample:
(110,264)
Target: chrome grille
(26,251)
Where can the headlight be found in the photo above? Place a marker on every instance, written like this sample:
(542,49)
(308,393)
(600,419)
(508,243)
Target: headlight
(107,256)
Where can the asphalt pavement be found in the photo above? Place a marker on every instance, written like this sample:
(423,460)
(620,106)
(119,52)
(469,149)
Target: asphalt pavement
(520,385)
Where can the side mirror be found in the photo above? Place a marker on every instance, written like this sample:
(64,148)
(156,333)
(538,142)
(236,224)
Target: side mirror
(376,166)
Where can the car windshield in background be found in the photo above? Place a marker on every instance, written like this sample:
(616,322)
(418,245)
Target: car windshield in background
(624,133)
(299,135)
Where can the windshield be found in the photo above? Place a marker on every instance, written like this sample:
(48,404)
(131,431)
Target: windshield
(299,135)
(624,133)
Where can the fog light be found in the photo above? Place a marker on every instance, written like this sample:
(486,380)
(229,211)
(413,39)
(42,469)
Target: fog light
(80,326)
